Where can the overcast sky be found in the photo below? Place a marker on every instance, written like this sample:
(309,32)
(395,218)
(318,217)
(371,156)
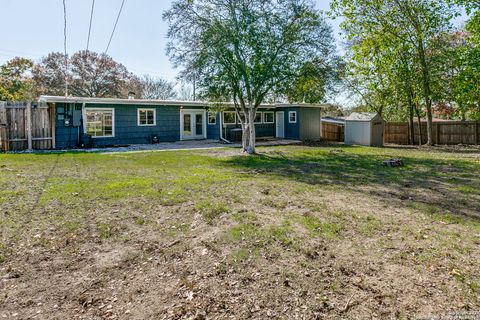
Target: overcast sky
(33,28)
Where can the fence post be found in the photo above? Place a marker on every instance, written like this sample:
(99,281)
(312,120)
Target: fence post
(437,133)
(29,125)
(4,143)
(476,132)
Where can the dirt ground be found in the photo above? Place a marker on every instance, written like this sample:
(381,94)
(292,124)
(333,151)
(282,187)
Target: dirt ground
(298,232)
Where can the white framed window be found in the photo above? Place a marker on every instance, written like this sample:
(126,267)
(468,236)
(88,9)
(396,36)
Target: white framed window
(229,117)
(268,117)
(146,117)
(100,122)
(292,116)
(258,118)
(212,118)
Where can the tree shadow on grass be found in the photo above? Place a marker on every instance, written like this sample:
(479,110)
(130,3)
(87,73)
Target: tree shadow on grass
(441,185)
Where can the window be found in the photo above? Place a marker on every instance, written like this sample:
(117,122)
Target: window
(292,117)
(229,117)
(212,118)
(99,123)
(147,117)
(268,117)
(258,118)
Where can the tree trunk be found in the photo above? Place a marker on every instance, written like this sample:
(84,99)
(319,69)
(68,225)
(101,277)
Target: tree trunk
(245,133)
(411,124)
(426,91)
(248,130)
(420,135)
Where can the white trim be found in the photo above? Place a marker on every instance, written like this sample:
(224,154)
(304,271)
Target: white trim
(229,123)
(290,113)
(273,117)
(146,110)
(136,102)
(204,126)
(101,109)
(277,135)
(214,119)
(261,117)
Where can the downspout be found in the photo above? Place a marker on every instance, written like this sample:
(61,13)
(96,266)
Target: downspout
(221,133)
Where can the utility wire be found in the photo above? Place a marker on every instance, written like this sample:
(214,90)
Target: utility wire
(90,25)
(115,26)
(65,45)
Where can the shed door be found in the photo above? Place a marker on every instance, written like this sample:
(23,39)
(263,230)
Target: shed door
(280,124)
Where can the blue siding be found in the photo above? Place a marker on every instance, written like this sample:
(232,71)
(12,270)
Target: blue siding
(126,129)
(66,137)
(213,130)
(292,130)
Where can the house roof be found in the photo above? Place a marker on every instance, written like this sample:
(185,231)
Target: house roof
(58,99)
(362,116)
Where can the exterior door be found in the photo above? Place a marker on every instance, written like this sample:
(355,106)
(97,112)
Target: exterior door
(192,124)
(280,124)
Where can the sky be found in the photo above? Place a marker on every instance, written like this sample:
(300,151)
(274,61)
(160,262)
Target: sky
(34,28)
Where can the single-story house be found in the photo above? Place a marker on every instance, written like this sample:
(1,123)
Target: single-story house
(101,122)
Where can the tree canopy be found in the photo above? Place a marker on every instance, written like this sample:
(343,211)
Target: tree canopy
(395,50)
(15,80)
(89,74)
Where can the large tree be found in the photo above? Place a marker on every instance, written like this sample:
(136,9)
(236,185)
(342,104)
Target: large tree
(88,74)
(157,88)
(15,80)
(393,24)
(466,83)
(245,50)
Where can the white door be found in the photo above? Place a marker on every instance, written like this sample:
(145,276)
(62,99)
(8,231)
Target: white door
(192,125)
(280,124)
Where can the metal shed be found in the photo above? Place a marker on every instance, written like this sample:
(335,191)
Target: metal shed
(364,129)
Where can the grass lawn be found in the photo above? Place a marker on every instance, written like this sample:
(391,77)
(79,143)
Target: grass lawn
(297,232)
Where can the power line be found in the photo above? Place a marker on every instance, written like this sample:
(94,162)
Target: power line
(115,26)
(65,45)
(90,25)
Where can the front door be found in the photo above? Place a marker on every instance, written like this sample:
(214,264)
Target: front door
(280,124)
(192,124)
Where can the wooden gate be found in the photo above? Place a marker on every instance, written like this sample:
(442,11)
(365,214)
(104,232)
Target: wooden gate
(25,126)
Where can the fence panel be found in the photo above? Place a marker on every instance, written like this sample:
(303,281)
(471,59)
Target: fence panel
(396,133)
(444,132)
(332,132)
(23,122)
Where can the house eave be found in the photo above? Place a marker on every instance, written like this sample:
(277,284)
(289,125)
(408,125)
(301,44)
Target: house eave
(180,103)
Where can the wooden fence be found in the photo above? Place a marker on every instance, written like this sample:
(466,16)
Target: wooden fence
(26,126)
(333,132)
(444,132)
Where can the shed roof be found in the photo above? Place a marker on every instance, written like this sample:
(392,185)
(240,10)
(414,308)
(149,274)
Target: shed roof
(333,120)
(59,99)
(362,116)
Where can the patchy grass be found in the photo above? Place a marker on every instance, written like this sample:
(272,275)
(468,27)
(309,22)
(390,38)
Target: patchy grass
(295,232)
(212,210)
